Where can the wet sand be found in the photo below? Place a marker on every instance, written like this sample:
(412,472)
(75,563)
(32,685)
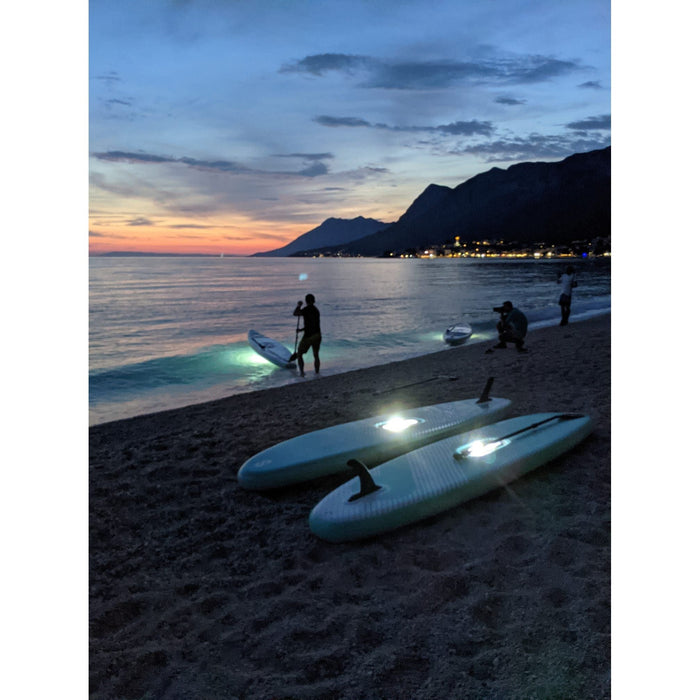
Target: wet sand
(200,589)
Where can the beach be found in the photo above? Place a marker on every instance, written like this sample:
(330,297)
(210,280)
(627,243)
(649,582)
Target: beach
(200,589)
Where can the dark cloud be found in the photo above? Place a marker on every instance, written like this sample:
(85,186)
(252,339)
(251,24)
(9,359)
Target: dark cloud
(417,75)
(140,221)
(532,147)
(599,123)
(537,69)
(121,156)
(466,128)
(426,75)
(510,101)
(223,166)
(187,226)
(460,128)
(319,64)
(307,156)
(110,77)
(591,85)
(315,168)
(325,120)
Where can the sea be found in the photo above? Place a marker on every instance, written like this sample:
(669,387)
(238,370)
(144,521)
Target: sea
(167,332)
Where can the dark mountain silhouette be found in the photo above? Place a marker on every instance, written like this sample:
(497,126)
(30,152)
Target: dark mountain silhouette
(331,233)
(529,202)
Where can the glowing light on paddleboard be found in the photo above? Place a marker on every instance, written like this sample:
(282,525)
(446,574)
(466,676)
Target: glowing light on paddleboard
(480,449)
(398,424)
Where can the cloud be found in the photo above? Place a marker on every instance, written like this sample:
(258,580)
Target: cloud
(188,226)
(314,169)
(591,85)
(306,156)
(511,101)
(140,221)
(318,64)
(532,147)
(599,123)
(469,128)
(326,120)
(461,128)
(110,77)
(422,75)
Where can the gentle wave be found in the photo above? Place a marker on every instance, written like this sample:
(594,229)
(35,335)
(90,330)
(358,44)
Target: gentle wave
(145,356)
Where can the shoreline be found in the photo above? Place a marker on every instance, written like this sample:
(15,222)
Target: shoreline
(220,392)
(201,589)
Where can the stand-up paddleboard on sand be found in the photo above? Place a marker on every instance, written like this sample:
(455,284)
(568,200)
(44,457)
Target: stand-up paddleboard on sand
(373,440)
(271,350)
(457,334)
(440,476)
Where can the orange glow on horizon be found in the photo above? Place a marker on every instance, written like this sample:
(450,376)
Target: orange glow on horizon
(207,239)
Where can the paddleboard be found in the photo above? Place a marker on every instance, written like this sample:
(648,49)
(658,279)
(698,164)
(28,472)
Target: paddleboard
(457,334)
(373,440)
(444,474)
(271,350)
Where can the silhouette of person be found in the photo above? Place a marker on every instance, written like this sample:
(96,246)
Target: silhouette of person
(512,328)
(312,332)
(567,280)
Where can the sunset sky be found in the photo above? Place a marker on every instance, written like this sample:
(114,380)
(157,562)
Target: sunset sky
(236,126)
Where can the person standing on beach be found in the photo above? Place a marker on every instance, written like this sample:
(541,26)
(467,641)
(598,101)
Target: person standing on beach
(567,280)
(312,332)
(512,328)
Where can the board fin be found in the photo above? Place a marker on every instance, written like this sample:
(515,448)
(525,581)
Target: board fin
(485,398)
(367,484)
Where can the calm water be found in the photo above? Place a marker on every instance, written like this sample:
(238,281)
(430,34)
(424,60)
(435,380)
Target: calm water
(168,332)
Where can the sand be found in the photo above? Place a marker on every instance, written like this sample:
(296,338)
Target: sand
(200,589)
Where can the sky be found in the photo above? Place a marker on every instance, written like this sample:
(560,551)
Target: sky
(234,126)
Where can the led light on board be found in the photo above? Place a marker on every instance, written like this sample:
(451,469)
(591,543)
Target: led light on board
(480,448)
(397,424)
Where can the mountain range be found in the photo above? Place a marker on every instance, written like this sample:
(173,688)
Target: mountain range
(330,233)
(556,202)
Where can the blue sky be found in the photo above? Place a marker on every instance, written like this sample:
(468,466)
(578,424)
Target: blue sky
(240,125)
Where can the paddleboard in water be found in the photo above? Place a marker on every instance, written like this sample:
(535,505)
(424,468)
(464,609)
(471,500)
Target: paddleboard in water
(271,350)
(373,440)
(444,474)
(457,334)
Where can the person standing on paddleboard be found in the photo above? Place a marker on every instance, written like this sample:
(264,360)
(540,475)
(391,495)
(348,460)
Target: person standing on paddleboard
(567,280)
(312,333)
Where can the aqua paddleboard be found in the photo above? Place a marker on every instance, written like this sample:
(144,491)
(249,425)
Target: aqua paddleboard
(444,474)
(372,440)
(271,350)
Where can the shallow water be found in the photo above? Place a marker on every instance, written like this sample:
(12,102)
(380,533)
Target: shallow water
(167,332)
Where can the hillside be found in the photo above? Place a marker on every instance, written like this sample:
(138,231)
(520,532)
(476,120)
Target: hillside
(332,232)
(551,202)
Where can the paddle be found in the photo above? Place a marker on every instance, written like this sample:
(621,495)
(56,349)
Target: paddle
(296,337)
(492,441)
